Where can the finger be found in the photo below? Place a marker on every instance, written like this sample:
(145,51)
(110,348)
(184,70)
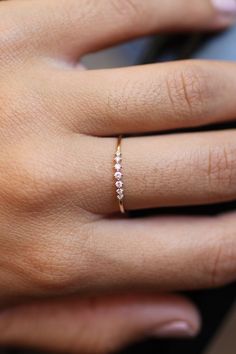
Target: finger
(149,98)
(74,27)
(163,253)
(156,254)
(98,325)
(158,171)
(177,170)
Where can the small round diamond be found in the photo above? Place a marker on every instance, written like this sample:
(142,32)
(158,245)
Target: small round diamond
(118,159)
(118,166)
(118,175)
(120,191)
(119,184)
(118,154)
(120,196)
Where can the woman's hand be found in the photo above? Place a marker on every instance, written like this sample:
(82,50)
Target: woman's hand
(57,197)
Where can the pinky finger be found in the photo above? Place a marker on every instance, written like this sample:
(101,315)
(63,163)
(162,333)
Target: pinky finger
(99,325)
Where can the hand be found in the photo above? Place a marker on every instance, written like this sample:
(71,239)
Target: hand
(56,185)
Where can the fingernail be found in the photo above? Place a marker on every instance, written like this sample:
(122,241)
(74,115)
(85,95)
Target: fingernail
(177,329)
(225,7)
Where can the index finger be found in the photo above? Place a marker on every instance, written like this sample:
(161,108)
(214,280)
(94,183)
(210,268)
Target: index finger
(71,28)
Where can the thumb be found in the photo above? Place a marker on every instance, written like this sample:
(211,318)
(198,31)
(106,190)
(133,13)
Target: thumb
(97,325)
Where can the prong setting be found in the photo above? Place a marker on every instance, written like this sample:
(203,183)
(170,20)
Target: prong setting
(118,175)
(118,159)
(119,184)
(118,166)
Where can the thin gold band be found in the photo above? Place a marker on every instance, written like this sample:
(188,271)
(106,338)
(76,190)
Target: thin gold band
(119,184)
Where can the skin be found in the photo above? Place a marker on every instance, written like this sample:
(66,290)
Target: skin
(64,248)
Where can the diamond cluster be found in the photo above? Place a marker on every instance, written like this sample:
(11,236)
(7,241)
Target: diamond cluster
(119,176)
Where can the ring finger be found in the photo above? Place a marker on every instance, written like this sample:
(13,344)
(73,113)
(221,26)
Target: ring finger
(167,170)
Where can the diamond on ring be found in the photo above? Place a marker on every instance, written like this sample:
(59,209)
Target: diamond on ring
(119,184)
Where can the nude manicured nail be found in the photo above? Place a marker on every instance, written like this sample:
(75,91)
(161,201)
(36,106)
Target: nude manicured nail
(226,7)
(177,329)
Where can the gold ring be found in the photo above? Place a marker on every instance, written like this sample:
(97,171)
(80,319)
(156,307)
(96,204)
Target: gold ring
(119,183)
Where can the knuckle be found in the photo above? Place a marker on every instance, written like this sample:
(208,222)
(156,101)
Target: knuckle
(130,96)
(10,37)
(188,92)
(222,260)
(19,102)
(5,35)
(57,265)
(118,101)
(49,268)
(31,178)
(127,9)
(221,170)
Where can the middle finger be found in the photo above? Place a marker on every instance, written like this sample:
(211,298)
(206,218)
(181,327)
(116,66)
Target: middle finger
(149,98)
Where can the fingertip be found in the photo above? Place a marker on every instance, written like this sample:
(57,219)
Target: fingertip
(186,320)
(225,12)
(163,316)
